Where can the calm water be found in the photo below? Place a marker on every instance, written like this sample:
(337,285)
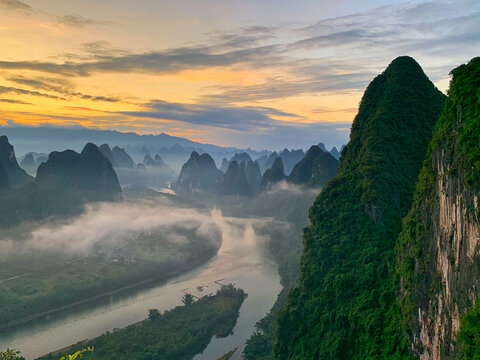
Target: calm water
(240,260)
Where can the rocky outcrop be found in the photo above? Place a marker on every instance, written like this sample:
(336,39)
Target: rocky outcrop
(315,169)
(88,171)
(15,174)
(199,173)
(121,158)
(273,175)
(439,256)
(241,157)
(105,150)
(291,158)
(235,182)
(335,153)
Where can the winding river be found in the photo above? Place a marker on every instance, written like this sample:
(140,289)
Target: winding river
(240,260)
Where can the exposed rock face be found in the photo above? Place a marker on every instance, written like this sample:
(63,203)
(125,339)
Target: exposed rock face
(105,150)
(16,175)
(273,175)
(121,158)
(440,241)
(199,173)
(28,164)
(316,168)
(88,171)
(3,178)
(234,182)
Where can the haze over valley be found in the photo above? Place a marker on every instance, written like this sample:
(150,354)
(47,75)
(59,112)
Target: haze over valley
(254,180)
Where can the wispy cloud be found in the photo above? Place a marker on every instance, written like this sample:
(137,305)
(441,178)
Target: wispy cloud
(16,5)
(79,21)
(60,86)
(19,91)
(11,101)
(239,118)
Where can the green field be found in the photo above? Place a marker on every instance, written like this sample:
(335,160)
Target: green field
(33,283)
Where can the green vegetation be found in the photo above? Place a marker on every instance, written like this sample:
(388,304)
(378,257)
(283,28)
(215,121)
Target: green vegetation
(178,334)
(469,334)
(35,283)
(345,306)
(10,354)
(454,142)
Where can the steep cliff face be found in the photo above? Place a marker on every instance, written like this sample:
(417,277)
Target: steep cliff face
(439,247)
(199,173)
(345,305)
(273,175)
(88,171)
(16,175)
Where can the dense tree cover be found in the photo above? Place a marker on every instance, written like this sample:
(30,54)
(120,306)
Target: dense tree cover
(178,334)
(456,138)
(469,334)
(315,169)
(345,305)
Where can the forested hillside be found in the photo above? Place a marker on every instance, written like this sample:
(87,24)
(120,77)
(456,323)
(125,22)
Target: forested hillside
(345,305)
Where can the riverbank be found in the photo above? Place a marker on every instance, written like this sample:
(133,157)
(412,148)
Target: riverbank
(179,333)
(172,273)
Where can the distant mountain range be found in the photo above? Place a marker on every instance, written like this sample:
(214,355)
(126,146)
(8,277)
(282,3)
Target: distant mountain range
(174,150)
(243,176)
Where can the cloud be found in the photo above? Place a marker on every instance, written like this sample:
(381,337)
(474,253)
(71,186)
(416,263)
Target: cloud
(79,21)
(238,118)
(11,101)
(155,62)
(18,91)
(60,86)
(15,5)
(108,226)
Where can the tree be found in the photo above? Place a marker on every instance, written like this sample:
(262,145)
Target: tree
(153,314)
(10,354)
(187,299)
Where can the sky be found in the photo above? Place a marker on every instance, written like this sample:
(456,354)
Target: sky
(251,73)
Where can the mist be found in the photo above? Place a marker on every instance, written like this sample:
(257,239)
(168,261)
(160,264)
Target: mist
(110,225)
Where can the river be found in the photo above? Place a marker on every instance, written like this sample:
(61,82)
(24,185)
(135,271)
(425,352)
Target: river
(241,260)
